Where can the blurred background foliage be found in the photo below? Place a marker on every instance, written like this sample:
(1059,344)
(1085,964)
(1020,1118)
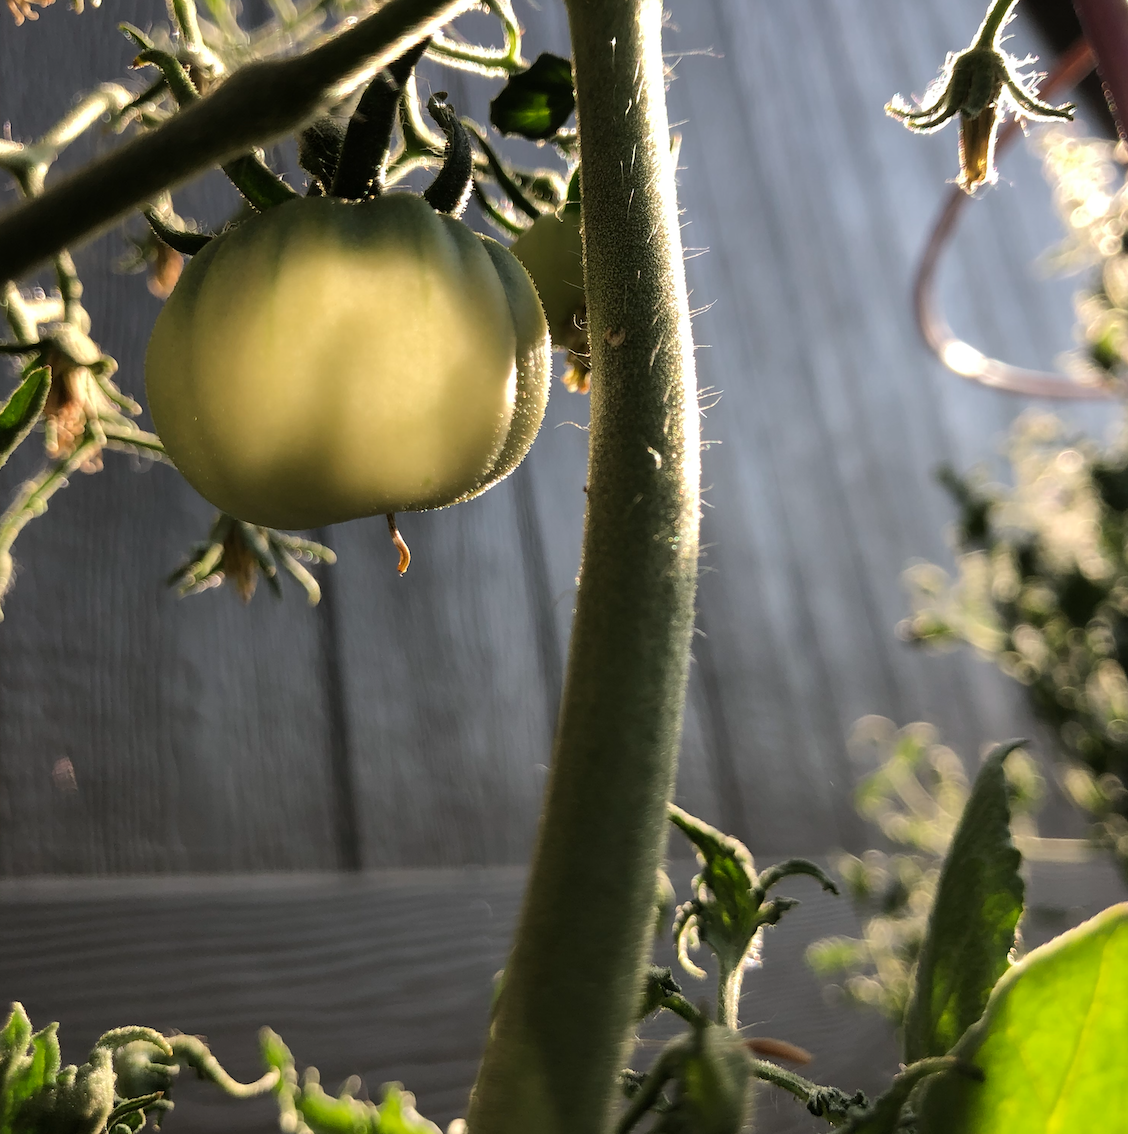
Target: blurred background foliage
(1041,580)
(915,799)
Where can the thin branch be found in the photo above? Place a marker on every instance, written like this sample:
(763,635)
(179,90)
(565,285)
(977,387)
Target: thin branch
(501,175)
(31,501)
(494,213)
(257,105)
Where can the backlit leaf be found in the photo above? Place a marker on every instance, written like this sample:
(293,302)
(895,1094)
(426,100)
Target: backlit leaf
(1052,1044)
(536,102)
(22,409)
(971,927)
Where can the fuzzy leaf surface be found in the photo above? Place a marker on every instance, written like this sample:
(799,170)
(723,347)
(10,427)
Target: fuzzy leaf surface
(22,410)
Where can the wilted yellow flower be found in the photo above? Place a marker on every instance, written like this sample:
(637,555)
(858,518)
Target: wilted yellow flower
(980,84)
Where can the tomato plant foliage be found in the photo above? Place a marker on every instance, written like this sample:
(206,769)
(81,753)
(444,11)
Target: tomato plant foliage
(358,351)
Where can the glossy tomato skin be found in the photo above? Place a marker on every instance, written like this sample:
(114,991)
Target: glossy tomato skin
(328,360)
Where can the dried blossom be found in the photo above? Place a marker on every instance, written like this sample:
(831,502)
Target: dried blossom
(980,84)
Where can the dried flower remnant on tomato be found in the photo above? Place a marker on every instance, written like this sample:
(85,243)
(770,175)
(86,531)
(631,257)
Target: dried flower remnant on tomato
(980,84)
(74,399)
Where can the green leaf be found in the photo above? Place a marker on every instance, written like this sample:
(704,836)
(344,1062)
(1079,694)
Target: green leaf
(971,927)
(20,413)
(25,1064)
(536,102)
(397,1113)
(1052,1044)
(726,907)
(325,1114)
(276,1054)
(35,1073)
(14,1036)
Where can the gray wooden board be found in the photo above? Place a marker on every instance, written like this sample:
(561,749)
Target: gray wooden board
(388,975)
(814,227)
(195,730)
(407,721)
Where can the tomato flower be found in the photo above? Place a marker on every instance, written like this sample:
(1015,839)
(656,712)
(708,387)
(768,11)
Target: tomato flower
(980,84)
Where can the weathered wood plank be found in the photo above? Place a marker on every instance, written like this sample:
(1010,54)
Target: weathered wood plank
(207,737)
(387,975)
(195,730)
(816,207)
(449,708)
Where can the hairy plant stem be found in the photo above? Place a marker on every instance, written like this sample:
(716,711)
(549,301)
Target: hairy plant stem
(32,499)
(997,16)
(575,975)
(258,104)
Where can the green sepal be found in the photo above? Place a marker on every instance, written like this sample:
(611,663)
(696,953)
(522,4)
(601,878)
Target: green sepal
(178,239)
(17,417)
(536,102)
(660,985)
(14,1036)
(396,1113)
(319,148)
(573,195)
(971,929)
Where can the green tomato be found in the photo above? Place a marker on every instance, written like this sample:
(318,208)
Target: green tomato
(552,252)
(328,360)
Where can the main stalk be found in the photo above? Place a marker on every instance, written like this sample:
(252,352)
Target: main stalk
(573,981)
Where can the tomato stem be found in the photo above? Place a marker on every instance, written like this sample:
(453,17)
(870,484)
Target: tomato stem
(1105,24)
(576,971)
(179,239)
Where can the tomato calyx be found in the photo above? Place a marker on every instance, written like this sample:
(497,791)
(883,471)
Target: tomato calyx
(362,159)
(450,190)
(243,553)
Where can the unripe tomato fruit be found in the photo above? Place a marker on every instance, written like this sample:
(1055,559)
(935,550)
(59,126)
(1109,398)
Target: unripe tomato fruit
(327,360)
(552,252)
